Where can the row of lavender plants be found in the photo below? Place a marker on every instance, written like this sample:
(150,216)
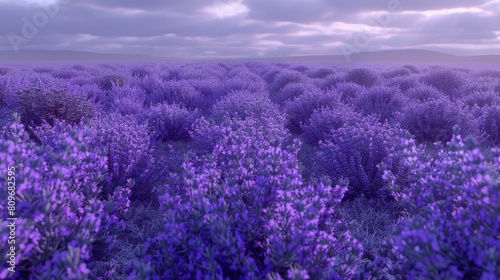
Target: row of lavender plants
(250,170)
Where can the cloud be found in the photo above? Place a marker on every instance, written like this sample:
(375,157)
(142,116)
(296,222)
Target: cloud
(225,9)
(200,28)
(32,2)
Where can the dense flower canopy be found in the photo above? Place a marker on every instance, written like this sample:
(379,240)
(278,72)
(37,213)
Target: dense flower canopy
(249,170)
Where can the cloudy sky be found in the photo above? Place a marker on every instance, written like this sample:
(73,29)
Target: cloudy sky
(250,28)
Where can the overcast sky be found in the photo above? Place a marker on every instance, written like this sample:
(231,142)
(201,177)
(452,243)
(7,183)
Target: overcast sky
(250,28)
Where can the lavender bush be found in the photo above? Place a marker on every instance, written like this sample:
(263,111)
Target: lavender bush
(300,109)
(363,76)
(109,81)
(291,91)
(489,125)
(452,226)
(355,152)
(242,105)
(44,104)
(349,91)
(126,143)
(171,121)
(329,81)
(179,92)
(321,73)
(423,93)
(433,121)
(404,83)
(481,99)
(381,101)
(283,78)
(447,81)
(322,121)
(257,181)
(414,69)
(497,88)
(59,213)
(397,73)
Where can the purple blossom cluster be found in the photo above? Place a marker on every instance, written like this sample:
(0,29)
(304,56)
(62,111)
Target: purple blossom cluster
(452,214)
(251,170)
(382,101)
(59,214)
(355,152)
(246,213)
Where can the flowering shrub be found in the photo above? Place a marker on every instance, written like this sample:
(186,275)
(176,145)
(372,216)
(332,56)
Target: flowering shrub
(242,105)
(43,69)
(149,84)
(107,66)
(3,95)
(81,81)
(210,91)
(329,82)
(404,83)
(65,74)
(5,120)
(433,121)
(324,120)
(58,213)
(109,81)
(424,93)
(414,69)
(127,146)
(178,92)
(45,104)
(476,85)
(267,233)
(283,78)
(381,101)
(207,133)
(300,68)
(4,71)
(301,108)
(447,81)
(200,72)
(269,74)
(489,73)
(497,88)
(245,81)
(363,76)
(171,121)
(127,100)
(481,99)
(349,91)
(452,227)
(291,91)
(489,125)
(139,72)
(321,73)
(355,152)
(397,73)
(101,99)
(79,67)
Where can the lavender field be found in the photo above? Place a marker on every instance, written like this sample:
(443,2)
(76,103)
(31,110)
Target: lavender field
(249,170)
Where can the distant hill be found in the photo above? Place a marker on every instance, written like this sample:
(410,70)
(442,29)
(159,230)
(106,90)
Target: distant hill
(395,56)
(70,56)
(389,56)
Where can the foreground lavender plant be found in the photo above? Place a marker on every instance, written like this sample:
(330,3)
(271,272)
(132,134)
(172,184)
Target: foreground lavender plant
(59,215)
(453,215)
(246,214)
